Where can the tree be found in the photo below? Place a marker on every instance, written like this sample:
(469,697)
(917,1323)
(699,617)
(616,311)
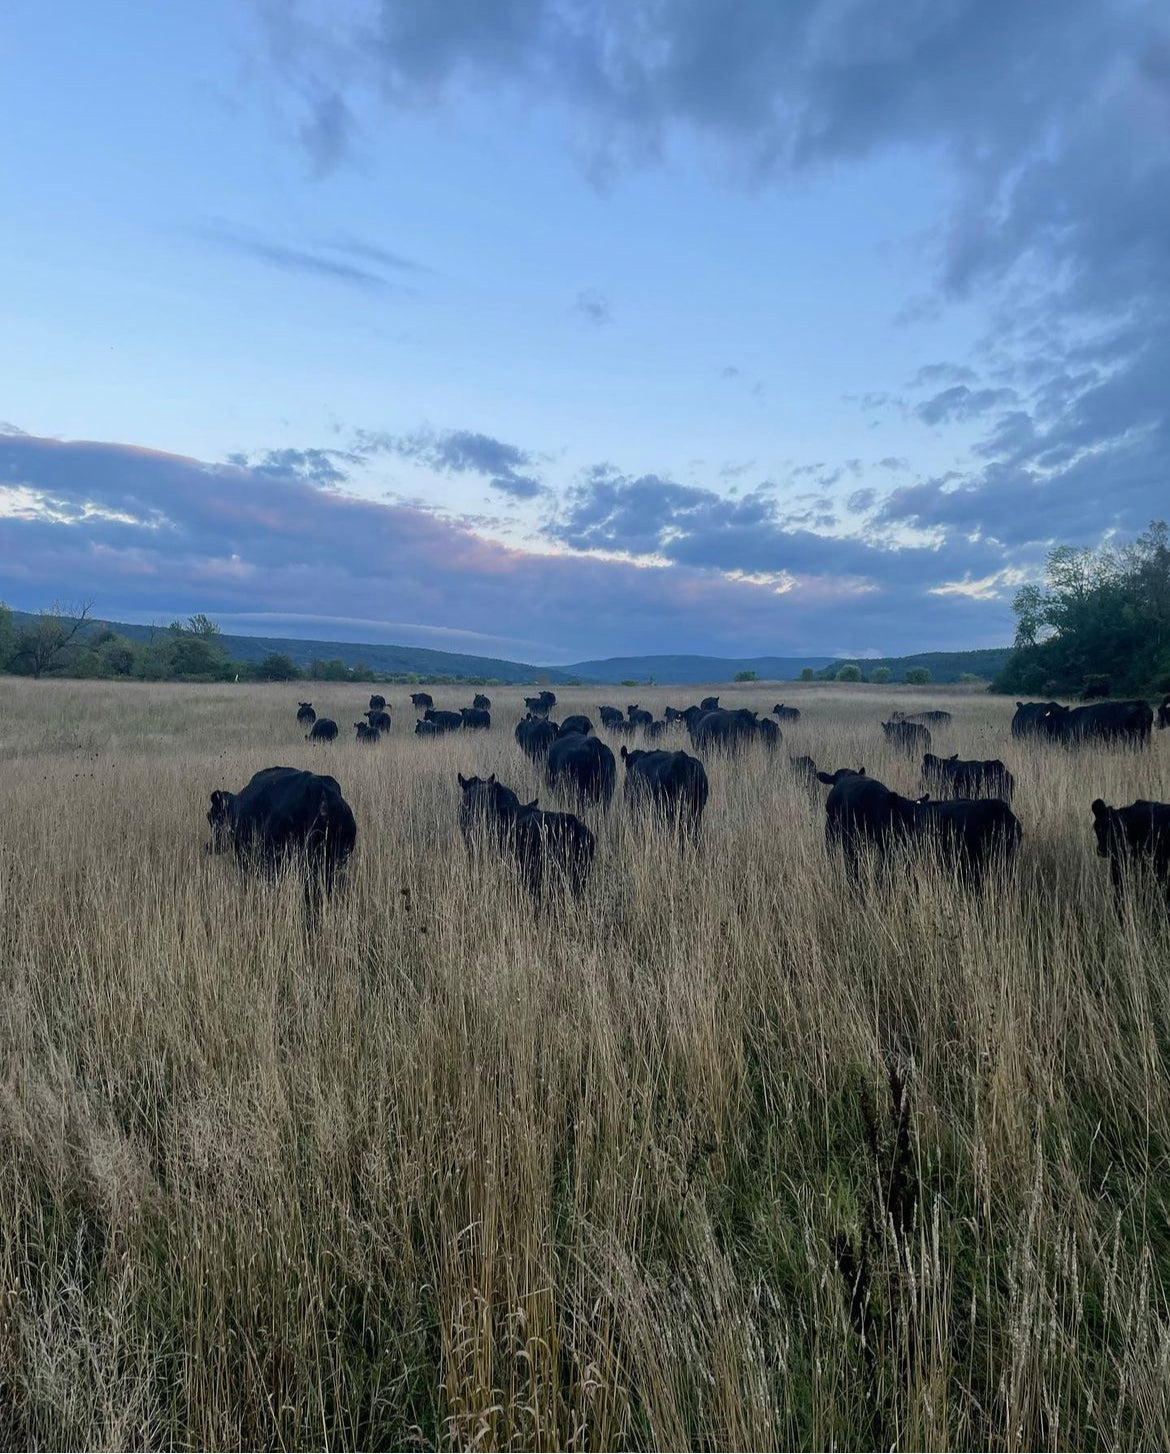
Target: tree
(969,679)
(807,674)
(7,636)
(202,625)
(41,647)
(881,675)
(277,667)
(849,673)
(747,676)
(916,676)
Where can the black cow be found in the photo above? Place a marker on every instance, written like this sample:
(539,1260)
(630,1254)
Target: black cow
(535,736)
(423,728)
(577,723)
(785,714)
(675,714)
(305,714)
(967,833)
(547,847)
(366,733)
(769,732)
(860,811)
(1028,719)
(936,718)
(907,737)
(954,778)
(655,730)
(1129,836)
(377,703)
(709,704)
(803,768)
(379,720)
(611,716)
(583,767)
(476,718)
(723,727)
(282,815)
(479,700)
(422,699)
(638,716)
(1117,722)
(324,730)
(443,721)
(675,783)
(1164,714)
(833,778)
(537,706)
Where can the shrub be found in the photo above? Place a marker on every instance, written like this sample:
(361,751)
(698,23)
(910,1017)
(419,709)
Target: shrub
(917,676)
(849,673)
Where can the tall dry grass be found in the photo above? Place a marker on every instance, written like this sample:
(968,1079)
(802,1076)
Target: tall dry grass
(724,1156)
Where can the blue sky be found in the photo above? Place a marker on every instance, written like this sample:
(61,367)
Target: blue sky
(574,329)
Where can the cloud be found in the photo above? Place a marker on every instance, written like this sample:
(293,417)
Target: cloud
(317,466)
(462,451)
(730,372)
(593,306)
(959,403)
(313,262)
(327,132)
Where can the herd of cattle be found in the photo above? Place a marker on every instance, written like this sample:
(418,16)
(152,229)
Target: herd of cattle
(964,817)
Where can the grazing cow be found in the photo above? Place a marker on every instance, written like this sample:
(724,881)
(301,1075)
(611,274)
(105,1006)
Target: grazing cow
(284,814)
(861,811)
(421,700)
(723,727)
(1164,714)
(444,721)
(479,700)
(1028,720)
(967,833)
(769,732)
(423,728)
(611,716)
(547,847)
(1130,836)
(907,737)
(324,730)
(305,714)
(366,732)
(535,736)
(675,714)
(710,704)
(537,706)
(578,723)
(476,718)
(377,703)
(953,778)
(936,718)
(1128,723)
(804,769)
(831,779)
(785,714)
(655,730)
(638,716)
(583,767)
(379,720)
(672,782)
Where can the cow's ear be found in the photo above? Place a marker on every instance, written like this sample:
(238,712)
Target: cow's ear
(625,752)
(532,806)
(954,757)
(1019,704)
(861,772)
(492,779)
(925,798)
(462,780)
(1099,808)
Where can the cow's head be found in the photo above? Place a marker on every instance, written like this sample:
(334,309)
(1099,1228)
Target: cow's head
(219,820)
(1102,826)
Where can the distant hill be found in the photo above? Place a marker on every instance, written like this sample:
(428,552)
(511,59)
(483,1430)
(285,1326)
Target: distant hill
(944,666)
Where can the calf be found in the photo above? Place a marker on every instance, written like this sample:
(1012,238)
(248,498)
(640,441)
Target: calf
(476,719)
(638,716)
(535,736)
(785,714)
(578,723)
(804,769)
(537,706)
(421,700)
(379,720)
(305,714)
(479,700)
(366,733)
(584,767)
(968,834)
(1133,835)
(547,847)
(951,777)
(936,718)
(443,721)
(611,716)
(423,728)
(672,782)
(377,702)
(324,730)
(907,737)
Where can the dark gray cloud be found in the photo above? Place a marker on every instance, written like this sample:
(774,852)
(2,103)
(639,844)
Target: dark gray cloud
(959,403)
(327,132)
(369,252)
(729,371)
(323,467)
(933,374)
(593,306)
(462,451)
(314,262)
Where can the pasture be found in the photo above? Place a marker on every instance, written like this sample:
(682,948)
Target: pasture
(721,1156)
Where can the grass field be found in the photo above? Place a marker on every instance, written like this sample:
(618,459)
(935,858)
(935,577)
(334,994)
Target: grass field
(722,1156)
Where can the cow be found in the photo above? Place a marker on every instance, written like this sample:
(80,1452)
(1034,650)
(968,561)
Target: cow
(769,732)
(831,779)
(611,716)
(324,730)
(443,721)
(967,834)
(785,714)
(535,736)
(377,703)
(655,730)
(935,718)
(723,727)
(578,723)
(1129,723)
(1164,714)
(423,728)
(674,783)
(675,714)
(379,720)
(709,704)
(907,737)
(366,733)
(582,767)
(484,703)
(1129,836)
(537,706)
(637,716)
(861,812)
(1028,719)
(546,847)
(956,778)
(305,714)
(421,700)
(284,815)
(804,769)
(476,718)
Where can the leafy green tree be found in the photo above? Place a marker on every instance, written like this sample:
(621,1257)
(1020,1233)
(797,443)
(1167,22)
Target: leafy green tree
(44,646)
(970,679)
(807,674)
(849,673)
(881,675)
(747,676)
(277,667)
(916,676)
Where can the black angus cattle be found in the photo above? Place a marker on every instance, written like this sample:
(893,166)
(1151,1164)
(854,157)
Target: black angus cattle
(769,732)
(1164,714)
(421,699)
(1129,723)
(583,767)
(535,736)
(861,812)
(785,714)
(637,716)
(377,703)
(282,815)
(423,728)
(967,834)
(578,723)
(537,706)
(1130,837)
(675,714)
(379,720)
(803,768)
(443,721)
(324,730)
(971,778)
(724,727)
(936,718)
(479,700)
(833,778)
(710,704)
(655,730)
(674,783)
(907,737)
(1028,719)
(611,716)
(366,733)
(547,847)
(476,718)
(305,714)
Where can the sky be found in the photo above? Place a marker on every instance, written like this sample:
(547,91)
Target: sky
(560,329)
